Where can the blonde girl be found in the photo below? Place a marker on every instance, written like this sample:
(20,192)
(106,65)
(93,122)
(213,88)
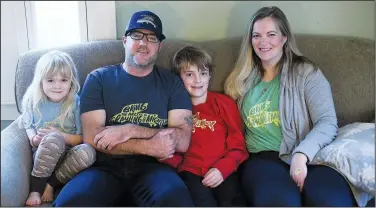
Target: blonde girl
(51,119)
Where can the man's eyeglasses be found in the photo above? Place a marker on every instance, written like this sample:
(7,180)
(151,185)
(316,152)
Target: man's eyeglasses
(137,35)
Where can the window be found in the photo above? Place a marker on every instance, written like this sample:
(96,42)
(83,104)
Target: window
(55,23)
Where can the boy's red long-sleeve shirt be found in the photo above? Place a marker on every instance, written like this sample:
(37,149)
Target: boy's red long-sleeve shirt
(217,138)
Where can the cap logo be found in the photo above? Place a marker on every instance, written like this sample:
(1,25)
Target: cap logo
(147,19)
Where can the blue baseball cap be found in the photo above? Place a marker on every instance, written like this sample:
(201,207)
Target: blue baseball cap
(145,20)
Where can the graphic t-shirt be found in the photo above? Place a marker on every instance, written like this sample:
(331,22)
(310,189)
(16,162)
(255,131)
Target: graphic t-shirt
(260,112)
(49,117)
(143,101)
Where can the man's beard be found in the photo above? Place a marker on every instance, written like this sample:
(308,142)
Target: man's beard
(132,61)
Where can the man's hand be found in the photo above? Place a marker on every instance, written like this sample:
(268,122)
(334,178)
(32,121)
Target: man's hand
(212,178)
(298,169)
(162,145)
(111,136)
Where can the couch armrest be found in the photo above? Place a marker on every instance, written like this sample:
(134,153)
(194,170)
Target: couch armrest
(16,164)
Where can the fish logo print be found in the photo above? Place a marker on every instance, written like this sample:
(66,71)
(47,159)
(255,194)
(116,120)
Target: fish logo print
(148,20)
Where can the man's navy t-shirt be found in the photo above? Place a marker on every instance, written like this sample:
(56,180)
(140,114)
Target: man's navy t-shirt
(144,101)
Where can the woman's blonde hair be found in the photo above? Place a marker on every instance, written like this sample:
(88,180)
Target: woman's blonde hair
(248,65)
(50,64)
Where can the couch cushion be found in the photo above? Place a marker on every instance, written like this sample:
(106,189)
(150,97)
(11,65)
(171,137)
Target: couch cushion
(352,154)
(224,53)
(349,65)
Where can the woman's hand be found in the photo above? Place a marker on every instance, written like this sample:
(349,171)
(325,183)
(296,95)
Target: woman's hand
(298,169)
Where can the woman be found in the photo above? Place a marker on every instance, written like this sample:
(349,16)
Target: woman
(287,107)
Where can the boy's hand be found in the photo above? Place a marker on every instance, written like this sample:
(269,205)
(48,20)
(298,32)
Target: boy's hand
(213,178)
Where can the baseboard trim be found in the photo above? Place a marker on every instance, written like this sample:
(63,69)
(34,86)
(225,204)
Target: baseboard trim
(9,111)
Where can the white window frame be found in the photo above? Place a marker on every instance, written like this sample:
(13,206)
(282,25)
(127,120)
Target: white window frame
(21,25)
(93,25)
(30,21)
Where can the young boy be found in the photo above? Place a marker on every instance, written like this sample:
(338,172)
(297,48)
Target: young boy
(217,147)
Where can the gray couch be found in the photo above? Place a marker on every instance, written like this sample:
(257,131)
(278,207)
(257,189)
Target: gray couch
(348,64)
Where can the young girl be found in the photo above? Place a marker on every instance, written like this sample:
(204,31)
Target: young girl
(217,146)
(52,121)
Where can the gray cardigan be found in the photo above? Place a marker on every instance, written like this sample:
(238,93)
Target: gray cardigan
(307,113)
(308,117)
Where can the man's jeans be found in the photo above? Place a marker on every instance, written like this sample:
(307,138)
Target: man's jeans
(134,181)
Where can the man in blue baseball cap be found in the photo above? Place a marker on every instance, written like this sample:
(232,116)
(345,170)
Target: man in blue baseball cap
(146,20)
(135,115)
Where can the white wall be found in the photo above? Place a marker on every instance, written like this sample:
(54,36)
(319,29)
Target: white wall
(209,20)
(101,20)
(10,49)
(101,25)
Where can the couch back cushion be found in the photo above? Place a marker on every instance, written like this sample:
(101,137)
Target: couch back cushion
(348,64)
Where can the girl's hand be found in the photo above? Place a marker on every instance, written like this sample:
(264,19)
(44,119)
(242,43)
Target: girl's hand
(36,140)
(213,178)
(42,132)
(46,130)
(53,129)
(298,169)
